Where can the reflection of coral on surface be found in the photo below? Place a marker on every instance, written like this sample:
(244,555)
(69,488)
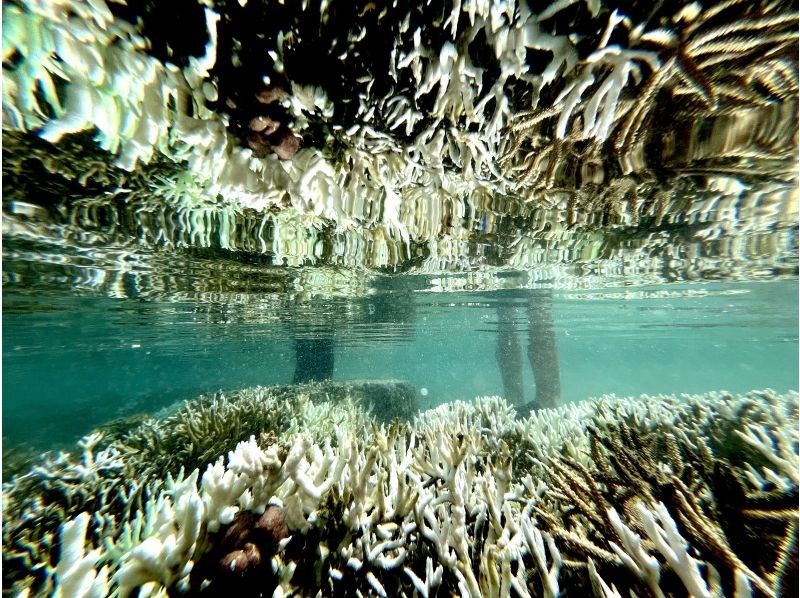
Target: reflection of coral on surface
(413,136)
(660,495)
(705,58)
(268,131)
(368,105)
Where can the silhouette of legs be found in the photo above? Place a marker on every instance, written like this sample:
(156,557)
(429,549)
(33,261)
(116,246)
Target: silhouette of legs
(543,350)
(542,353)
(509,355)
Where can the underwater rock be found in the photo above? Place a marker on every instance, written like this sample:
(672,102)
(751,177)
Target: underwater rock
(284,143)
(239,531)
(242,561)
(260,146)
(271,94)
(263,125)
(271,527)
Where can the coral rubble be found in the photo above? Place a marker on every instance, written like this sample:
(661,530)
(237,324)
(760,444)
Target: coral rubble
(658,495)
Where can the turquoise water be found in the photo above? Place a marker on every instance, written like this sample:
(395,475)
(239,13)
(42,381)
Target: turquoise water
(370,211)
(71,363)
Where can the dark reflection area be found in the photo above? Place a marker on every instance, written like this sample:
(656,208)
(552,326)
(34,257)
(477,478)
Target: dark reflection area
(542,350)
(314,358)
(319,325)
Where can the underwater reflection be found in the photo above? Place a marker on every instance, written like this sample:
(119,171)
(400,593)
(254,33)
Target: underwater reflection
(383,317)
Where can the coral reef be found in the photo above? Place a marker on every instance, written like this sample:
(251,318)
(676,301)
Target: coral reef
(702,55)
(433,137)
(715,227)
(663,495)
(212,425)
(118,467)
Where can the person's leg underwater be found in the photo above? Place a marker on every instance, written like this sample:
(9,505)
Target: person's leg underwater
(509,355)
(543,350)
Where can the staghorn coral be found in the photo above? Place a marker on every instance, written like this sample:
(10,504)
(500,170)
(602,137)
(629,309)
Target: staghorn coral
(711,503)
(118,468)
(470,500)
(701,56)
(54,491)
(729,226)
(399,165)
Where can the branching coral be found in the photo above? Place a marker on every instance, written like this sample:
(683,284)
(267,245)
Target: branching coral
(114,474)
(672,474)
(636,495)
(54,491)
(710,59)
(703,55)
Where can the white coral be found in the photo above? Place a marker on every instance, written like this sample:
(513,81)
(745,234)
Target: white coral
(403,489)
(159,544)
(75,573)
(663,532)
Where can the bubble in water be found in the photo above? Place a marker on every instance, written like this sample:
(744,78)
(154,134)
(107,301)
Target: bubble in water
(423,392)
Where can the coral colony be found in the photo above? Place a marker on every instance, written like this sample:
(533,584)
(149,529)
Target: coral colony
(410,127)
(659,495)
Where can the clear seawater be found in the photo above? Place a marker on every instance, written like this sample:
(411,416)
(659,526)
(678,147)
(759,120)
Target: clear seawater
(75,360)
(546,202)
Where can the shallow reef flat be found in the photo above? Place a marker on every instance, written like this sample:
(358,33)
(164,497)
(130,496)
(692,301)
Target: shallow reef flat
(231,495)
